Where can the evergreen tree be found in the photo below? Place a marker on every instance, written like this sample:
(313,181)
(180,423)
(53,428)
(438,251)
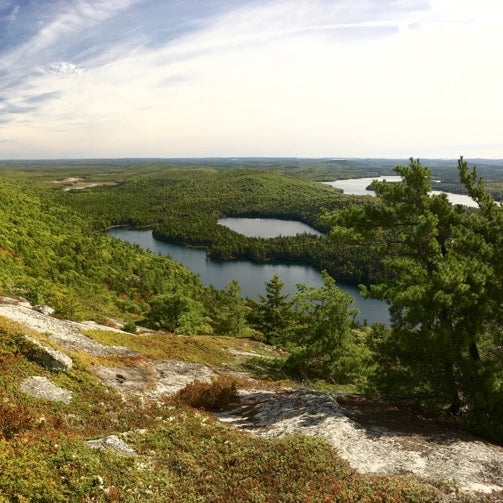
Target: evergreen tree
(229,312)
(444,288)
(324,342)
(274,312)
(179,313)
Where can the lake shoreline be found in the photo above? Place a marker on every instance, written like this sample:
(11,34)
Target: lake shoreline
(251,275)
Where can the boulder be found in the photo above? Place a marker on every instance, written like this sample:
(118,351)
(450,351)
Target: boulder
(127,379)
(112,443)
(42,308)
(43,388)
(48,357)
(173,375)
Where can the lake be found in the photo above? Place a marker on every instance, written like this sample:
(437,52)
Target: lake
(358,187)
(251,276)
(267,227)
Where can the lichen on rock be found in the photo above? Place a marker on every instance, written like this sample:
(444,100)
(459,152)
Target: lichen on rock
(48,357)
(43,388)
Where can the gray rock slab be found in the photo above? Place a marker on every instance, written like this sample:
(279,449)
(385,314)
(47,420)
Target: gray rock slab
(15,300)
(173,375)
(161,378)
(473,464)
(112,443)
(43,388)
(64,332)
(48,357)
(127,379)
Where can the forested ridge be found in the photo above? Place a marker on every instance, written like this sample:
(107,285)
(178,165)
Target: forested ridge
(184,206)
(51,254)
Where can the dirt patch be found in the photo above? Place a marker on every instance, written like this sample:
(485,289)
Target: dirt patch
(88,185)
(77,183)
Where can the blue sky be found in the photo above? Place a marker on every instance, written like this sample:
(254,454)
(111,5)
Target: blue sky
(310,78)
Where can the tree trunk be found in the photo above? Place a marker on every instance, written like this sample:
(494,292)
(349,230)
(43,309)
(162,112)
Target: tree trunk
(474,351)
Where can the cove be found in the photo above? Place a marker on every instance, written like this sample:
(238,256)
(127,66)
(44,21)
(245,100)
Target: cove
(267,227)
(250,276)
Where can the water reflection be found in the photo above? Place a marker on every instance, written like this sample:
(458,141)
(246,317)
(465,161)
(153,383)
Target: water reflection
(267,227)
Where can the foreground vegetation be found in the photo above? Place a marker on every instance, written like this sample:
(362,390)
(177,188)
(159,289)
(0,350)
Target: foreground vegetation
(182,455)
(445,293)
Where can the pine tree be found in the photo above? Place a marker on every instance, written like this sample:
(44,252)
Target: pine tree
(229,312)
(274,312)
(324,342)
(444,286)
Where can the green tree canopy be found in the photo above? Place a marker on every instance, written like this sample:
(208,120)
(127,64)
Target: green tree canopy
(324,345)
(228,312)
(444,285)
(178,312)
(274,312)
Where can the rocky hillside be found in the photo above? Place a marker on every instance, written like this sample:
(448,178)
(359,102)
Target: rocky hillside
(91,413)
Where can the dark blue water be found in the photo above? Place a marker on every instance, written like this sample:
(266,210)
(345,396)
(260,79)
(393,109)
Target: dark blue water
(251,276)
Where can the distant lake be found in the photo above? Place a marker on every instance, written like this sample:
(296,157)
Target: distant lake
(358,187)
(267,227)
(251,276)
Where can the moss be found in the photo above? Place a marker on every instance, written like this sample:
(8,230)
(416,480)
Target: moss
(208,349)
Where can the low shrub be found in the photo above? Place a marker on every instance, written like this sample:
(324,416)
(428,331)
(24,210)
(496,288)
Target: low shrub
(130,327)
(216,395)
(14,418)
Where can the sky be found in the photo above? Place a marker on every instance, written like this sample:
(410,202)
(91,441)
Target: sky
(251,78)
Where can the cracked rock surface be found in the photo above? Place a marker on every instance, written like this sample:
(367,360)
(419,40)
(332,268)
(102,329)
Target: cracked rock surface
(378,446)
(64,332)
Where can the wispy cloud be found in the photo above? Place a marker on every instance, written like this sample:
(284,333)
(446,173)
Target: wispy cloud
(39,98)
(15,109)
(61,21)
(275,77)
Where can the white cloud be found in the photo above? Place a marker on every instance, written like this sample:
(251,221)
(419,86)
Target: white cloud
(64,19)
(63,68)
(283,78)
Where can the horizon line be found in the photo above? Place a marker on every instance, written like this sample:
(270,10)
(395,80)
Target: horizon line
(238,158)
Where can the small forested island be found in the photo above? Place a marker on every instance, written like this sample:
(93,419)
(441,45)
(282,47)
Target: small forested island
(125,377)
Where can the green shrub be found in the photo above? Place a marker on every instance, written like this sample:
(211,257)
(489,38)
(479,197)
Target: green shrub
(130,327)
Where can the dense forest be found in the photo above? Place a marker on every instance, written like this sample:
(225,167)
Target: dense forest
(437,265)
(184,206)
